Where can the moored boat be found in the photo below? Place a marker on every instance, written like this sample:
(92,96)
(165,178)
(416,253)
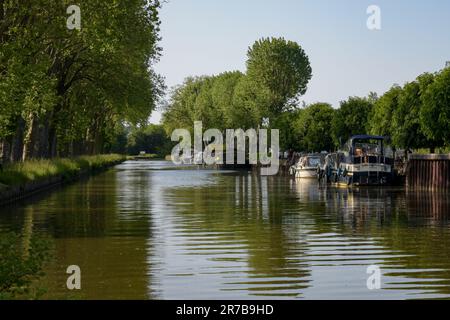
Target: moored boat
(364,160)
(307,166)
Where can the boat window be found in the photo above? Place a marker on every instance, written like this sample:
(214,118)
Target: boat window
(367,147)
(313,162)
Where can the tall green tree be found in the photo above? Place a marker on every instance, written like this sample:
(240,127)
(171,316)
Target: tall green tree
(151,138)
(279,70)
(181,111)
(381,117)
(313,128)
(249,104)
(286,122)
(351,118)
(406,128)
(435,113)
(71,85)
(223,92)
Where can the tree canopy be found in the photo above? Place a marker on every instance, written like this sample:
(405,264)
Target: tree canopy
(313,127)
(435,113)
(278,72)
(281,70)
(406,127)
(65,92)
(350,119)
(381,117)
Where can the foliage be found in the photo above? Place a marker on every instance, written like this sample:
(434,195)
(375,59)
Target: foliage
(350,119)
(64,92)
(249,104)
(435,113)
(181,112)
(313,127)
(286,123)
(278,72)
(406,128)
(151,139)
(223,92)
(282,71)
(416,115)
(381,117)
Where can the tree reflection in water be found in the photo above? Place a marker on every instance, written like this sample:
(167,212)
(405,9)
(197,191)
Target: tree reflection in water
(148,230)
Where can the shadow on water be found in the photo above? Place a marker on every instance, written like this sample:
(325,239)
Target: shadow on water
(93,227)
(147,230)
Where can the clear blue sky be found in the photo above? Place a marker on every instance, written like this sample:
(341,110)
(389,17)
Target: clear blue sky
(205,37)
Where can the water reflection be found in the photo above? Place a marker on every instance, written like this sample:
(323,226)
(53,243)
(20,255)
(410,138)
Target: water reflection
(93,227)
(232,236)
(148,230)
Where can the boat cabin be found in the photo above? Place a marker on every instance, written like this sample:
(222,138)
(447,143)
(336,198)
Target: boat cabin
(367,149)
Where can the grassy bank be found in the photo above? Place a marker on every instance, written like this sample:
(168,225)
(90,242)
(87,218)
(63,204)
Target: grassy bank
(147,156)
(35,170)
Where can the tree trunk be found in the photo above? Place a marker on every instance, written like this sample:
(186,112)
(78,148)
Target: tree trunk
(432,149)
(1,154)
(78,147)
(42,150)
(17,141)
(70,149)
(6,151)
(52,140)
(98,143)
(89,141)
(31,146)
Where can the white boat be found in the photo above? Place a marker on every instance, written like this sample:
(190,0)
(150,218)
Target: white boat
(185,159)
(306,167)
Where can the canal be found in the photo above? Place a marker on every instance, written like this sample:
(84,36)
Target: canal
(147,230)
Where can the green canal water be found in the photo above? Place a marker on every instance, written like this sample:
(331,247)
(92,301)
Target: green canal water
(146,230)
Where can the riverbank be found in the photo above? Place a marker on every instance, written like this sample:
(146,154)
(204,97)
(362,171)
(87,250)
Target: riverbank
(20,180)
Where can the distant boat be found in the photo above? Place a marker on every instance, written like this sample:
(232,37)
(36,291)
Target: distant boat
(198,158)
(186,159)
(308,166)
(364,160)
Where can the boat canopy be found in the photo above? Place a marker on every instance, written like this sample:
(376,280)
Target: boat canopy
(365,143)
(367,137)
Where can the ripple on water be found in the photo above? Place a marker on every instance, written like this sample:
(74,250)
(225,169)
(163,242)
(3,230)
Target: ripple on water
(152,230)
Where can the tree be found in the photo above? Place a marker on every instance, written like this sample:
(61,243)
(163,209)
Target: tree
(181,111)
(350,119)
(249,104)
(286,123)
(313,127)
(435,113)
(223,92)
(381,117)
(151,138)
(406,129)
(280,71)
(223,102)
(206,108)
(66,89)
